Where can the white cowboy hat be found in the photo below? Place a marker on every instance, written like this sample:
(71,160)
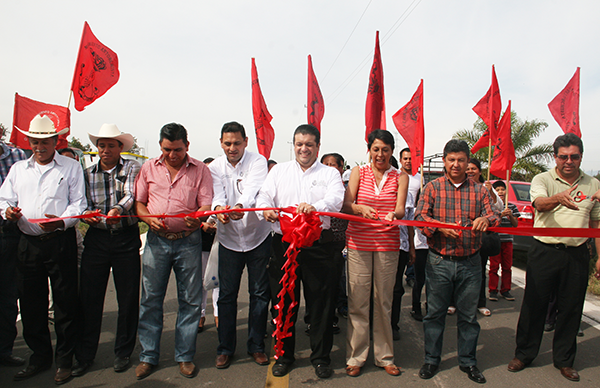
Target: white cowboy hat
(41,127)
(110,131)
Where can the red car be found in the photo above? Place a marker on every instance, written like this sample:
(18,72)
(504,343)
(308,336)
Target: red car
(518,195)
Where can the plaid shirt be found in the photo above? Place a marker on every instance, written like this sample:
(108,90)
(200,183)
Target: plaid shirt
(105,191)
(9,157)
(441,201)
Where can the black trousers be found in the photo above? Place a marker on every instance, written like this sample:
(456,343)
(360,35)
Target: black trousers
(420,264)
(548,269)
(37,260)
(104,251)
(398,290)
(9,240)
(319,271)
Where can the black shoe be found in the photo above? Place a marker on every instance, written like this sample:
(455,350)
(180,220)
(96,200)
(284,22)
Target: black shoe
(280,370)
(508,296)
(580,332)
(473,373)
(417,315)
(428,371)
(80,368)
(323,371)
(307,330)
(343,311)
(10,360)
(549,327)
(336,328)
(396,334)
(121,364)
(31,371)
(494,296)
(410,282)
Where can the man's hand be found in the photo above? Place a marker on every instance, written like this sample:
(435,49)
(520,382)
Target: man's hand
(412,256)
(191,222)
(597,274)
(112,216)
(13,213)
(91,220)
(236,215)
(566,200)
(223,217)
(480,224)
(450,233)
(305,208)
(271,215)
(209,227)
(51,226)
(155,224)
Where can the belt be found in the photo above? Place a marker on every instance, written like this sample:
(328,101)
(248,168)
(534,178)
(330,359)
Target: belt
(48,236)
(118,231)
(172,236)
(453,258)
(560,246)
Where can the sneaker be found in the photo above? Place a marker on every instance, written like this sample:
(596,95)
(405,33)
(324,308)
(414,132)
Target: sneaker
(410,282)
(548,326)
(336,328)
(417,315)
(493,296)
(343,311)
(307,330)
(508,296)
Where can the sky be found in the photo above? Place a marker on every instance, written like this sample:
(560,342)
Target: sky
(190,61)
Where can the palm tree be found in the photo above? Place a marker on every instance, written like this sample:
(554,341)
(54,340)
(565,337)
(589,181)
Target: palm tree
(531,159)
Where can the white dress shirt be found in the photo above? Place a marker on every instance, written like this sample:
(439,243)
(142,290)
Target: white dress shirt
(57,188)
(287,185)
(240,185)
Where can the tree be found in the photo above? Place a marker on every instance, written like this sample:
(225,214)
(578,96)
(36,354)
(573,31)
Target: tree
(135,149)
(76,143)
(531,159)
(4,134)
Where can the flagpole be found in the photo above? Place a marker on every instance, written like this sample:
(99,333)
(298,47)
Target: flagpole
(489,157)
(506,191)
(70,95)
(421,177)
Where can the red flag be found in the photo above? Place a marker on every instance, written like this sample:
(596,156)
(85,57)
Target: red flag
(375,111)
(410,124)
(315,103)
(26,109)
(489,109)
(504,151)
(96,70)
(565,106)
(262,118)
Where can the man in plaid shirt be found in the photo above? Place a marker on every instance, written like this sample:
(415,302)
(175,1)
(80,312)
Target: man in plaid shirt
(110,243)
(453,269)
(9,239)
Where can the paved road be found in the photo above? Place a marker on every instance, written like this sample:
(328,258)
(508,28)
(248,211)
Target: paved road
(496,347)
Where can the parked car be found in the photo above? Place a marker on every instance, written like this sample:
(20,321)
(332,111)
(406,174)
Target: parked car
(518,194)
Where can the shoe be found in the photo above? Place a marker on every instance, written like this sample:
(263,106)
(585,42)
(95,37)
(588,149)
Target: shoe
(260,358)
(10,360)
(494,296)
(417,316)
(280,370)
(223,361)
(143,370)
(392,370)
(323,371)
(451,310)
(217,322)
(62,375)
(80,368)
(516,365)
(187,369)
(484,311)
(473,373)
(353,371)
(336,328)
(568,373)
(428,371)
(580,332)
(508,296)
(549,327)
(410,282)
(201,324)
(343,311)
(31,371)
(396,334)
(307,330)
(121,364)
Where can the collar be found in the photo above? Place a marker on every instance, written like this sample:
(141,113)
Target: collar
(97,169)
(314,166)
(555,177)
(187,162)
(239,163)
(55,159)
(453,184)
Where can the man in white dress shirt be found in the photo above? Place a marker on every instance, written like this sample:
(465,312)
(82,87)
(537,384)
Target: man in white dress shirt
(244,241)
(46,185)
(309,186)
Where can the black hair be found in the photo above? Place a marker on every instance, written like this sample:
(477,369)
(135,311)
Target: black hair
(271,161)
(567,140)
(498,184)
(233,127)
(173,132)
(403,151)
(455,146)
(394,162)
(208,160)
(339,159)
(477,164)
(307,129)
(66,149)
(382,135)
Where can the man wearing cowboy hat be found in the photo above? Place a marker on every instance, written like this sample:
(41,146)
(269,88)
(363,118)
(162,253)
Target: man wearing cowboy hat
(46,185)
(109,243)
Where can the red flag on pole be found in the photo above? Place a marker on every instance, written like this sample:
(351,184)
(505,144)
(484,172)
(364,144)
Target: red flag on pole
(375,111)
(489,109)
(96,70)
(315,104)
(565,106)
(262,118)
(504,151)
(26,109)
(410,124)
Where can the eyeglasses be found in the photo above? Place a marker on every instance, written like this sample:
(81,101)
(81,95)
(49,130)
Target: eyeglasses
(574,157)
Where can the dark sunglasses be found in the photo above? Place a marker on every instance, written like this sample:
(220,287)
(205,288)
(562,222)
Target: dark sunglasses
(574,157)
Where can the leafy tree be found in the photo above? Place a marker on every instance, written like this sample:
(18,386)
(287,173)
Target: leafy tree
(135,149)
(76,143)
(531,159)
(4,132)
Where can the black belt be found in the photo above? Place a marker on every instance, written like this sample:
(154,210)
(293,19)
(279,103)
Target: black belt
(453,258)
(118,231)
(560,246)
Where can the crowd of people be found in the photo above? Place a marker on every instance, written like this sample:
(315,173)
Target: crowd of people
(115,193)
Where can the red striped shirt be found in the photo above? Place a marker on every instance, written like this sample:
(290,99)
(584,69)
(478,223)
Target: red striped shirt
(368,237)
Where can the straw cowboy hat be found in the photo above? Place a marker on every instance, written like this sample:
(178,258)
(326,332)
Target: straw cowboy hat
(41,127)
(110,131)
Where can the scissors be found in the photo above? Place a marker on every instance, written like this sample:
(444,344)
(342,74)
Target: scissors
(580,197)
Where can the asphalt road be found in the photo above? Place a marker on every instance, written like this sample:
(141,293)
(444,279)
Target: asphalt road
(495,350)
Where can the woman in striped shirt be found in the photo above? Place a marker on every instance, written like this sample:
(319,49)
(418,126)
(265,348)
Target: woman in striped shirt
(376,191)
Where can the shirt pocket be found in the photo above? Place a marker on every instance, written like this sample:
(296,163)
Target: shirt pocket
(56,188)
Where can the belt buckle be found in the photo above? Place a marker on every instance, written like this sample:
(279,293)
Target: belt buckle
(171,236)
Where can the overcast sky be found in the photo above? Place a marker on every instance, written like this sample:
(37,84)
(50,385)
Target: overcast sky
(189,62)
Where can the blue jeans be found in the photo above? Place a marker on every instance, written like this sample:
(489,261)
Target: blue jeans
(448,281)
(160,255)
(231,267)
